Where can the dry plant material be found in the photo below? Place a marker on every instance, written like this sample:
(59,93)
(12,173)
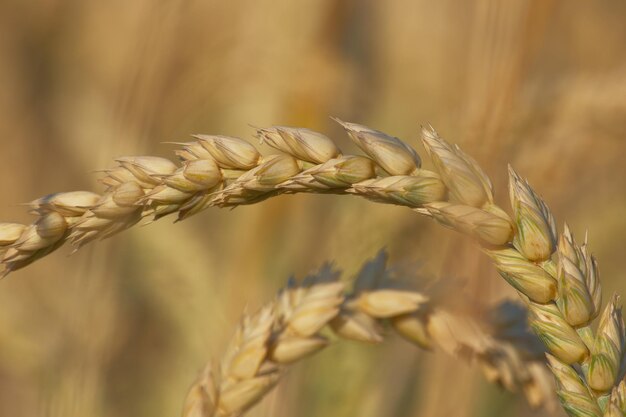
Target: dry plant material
(554,275)
(296,324)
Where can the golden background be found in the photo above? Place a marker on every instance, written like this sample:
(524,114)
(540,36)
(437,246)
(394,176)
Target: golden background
(122,327)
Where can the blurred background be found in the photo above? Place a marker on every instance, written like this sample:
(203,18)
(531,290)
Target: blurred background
(122,327)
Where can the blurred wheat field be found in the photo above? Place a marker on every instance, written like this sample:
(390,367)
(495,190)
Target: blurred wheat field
(122,327)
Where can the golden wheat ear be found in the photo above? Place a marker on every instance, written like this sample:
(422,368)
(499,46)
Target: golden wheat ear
(556,277)
(300,322)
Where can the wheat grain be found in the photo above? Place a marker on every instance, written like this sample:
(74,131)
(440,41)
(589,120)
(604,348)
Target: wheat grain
(291,328)
(560,282)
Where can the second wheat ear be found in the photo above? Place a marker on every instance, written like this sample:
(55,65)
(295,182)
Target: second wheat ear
(296,324)
(555,276)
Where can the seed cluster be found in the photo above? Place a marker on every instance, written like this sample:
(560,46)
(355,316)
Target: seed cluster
(556,277)
(293,326)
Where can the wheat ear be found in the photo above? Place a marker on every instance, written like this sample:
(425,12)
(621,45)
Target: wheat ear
(556,277)
(291,327)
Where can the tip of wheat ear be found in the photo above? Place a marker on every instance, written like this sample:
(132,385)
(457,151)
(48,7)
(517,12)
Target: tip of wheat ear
(556,277)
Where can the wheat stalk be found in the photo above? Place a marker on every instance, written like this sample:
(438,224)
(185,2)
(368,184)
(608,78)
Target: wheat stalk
(555,276)
(291,327)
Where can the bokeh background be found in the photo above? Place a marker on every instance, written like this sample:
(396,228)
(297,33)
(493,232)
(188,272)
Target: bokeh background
(122,327)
